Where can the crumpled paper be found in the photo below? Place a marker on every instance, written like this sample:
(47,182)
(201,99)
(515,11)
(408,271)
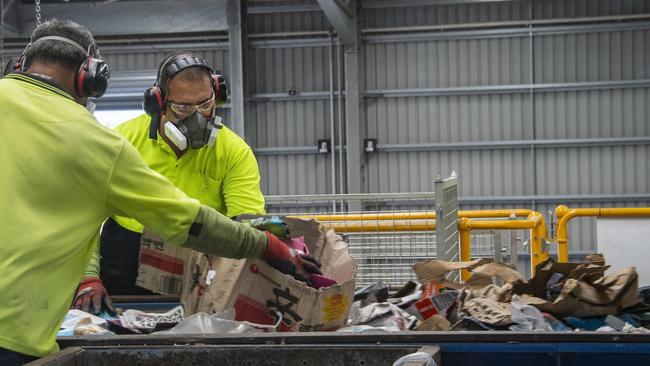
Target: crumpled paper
(383,315)
(136,319)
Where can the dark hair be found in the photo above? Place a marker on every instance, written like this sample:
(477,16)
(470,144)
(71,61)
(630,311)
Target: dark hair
(57,51)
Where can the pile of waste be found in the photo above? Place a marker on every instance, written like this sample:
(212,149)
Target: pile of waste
(77,322)
(560,297)
(238,296)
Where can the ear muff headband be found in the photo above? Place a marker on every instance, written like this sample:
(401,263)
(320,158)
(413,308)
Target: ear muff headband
(63,39)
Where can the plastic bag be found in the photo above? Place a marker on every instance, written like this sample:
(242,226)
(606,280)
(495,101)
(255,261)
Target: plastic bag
(383,315)
(219,323)
(136,319)
(416,357)
(77,322)
(527,317)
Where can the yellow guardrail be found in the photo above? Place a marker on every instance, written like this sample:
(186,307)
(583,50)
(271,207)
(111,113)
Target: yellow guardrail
(534,221)
(381,226)
(417,215)
(565,214)
(425,221)
(469,220)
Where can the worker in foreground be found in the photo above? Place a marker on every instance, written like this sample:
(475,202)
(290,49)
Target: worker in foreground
(63,174)
(202,157)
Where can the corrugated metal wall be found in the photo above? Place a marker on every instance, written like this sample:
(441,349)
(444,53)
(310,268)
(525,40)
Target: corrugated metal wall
(377,17)
(568,55)
(277,120)
(121,59)
(423,95)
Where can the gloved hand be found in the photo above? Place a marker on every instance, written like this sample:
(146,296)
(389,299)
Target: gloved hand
(92,297)
(288,260)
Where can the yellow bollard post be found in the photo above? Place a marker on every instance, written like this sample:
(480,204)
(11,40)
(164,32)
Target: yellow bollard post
(563,215)
(465,228)
(537,238)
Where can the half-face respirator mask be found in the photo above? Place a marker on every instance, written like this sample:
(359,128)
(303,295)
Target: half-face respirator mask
(193,131)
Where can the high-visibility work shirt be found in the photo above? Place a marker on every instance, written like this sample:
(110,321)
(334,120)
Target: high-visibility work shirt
(224,176)
(63,174)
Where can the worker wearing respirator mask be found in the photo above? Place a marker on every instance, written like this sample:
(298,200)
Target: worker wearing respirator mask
(181,137)
(183,110)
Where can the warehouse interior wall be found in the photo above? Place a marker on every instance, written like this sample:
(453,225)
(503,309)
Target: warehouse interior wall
(532,103)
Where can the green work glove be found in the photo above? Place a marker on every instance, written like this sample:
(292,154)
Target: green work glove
(214,233)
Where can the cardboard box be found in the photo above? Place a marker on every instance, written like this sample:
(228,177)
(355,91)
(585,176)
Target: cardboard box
(261,294)
(162,266)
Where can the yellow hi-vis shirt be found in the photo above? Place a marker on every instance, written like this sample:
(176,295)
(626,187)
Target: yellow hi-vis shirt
(224,176)
(62,175)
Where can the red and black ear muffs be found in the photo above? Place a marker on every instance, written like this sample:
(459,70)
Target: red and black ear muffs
(153,101)
(220,86)
(153,104)
(92,77)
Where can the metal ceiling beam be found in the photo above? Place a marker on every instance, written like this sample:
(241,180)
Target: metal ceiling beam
(134,17)
(342,15)
(378,4)
(273,9)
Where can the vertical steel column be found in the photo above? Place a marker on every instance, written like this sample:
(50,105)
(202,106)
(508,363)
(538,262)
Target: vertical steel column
(339,78)
(332,130)
(236,15)
(533,153)
(342,15)
(354,123)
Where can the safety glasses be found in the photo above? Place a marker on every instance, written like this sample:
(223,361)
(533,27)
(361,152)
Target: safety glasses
(184,110)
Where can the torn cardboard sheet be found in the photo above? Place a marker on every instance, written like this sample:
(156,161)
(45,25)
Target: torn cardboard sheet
(483,270)
(435,323)
(585,292)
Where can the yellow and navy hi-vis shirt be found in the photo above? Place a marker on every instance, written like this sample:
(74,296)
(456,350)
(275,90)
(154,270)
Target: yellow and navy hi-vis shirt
(63,174)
